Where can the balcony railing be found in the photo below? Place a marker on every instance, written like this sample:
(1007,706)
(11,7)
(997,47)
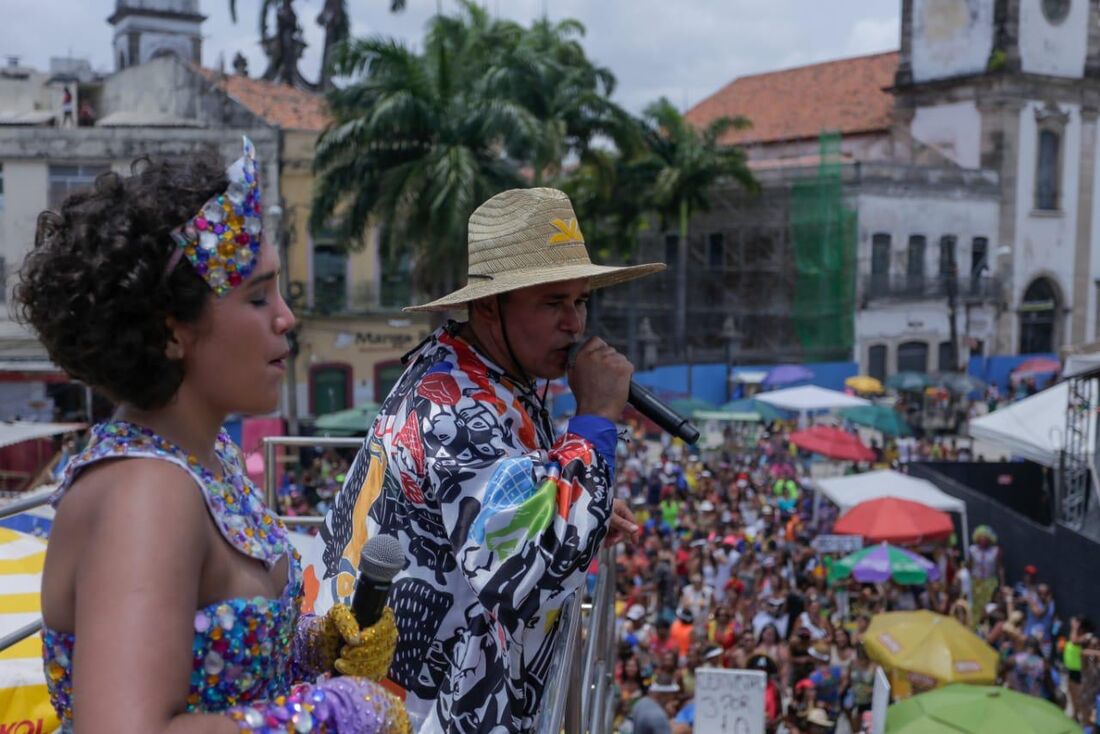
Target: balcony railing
(977,288)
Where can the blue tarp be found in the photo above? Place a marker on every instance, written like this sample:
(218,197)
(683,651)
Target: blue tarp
(708,381)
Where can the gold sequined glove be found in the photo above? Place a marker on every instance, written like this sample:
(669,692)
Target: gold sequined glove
(366,653)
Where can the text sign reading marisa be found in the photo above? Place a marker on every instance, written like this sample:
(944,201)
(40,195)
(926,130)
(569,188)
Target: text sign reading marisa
(729,701)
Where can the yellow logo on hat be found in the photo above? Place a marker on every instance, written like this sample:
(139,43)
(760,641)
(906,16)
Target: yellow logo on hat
(568,231)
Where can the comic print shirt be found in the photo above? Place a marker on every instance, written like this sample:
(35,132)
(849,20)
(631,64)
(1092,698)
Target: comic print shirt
(498,521)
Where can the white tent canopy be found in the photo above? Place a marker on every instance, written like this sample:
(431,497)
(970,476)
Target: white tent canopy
(807,398)
(1033,428)
(849,491)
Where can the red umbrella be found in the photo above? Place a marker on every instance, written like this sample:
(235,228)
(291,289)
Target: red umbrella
(833,443)
(894,520)
(1036,366)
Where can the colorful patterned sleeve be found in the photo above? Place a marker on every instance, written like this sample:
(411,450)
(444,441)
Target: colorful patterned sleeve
(521,521)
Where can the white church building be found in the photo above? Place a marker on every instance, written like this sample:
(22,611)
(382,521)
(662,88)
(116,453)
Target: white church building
(970,162)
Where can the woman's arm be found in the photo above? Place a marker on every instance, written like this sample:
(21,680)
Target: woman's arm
(136,591)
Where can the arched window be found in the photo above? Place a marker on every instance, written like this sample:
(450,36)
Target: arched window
(1038,313)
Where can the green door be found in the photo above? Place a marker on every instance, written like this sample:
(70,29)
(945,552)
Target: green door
(329,389)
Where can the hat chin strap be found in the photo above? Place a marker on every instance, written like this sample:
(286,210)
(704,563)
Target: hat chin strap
(527,380)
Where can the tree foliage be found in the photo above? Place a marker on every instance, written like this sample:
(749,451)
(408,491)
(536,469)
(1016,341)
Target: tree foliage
(421,136)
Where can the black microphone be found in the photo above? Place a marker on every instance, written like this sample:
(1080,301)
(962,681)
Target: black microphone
(379,562)
(650,406)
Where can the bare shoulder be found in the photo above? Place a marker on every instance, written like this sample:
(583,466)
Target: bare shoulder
(124,513)
(140,490)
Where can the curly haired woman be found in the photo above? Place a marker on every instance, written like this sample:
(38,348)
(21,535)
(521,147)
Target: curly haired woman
(170,594)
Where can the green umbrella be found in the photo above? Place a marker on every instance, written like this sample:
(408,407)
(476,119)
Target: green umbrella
(961,384)
(879,417)
(752,405)
(687,406)
(908,381)
(877,563)
(351,422)
(968,709)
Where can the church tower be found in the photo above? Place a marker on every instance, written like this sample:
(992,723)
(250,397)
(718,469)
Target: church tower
(145,29)
(1013,87)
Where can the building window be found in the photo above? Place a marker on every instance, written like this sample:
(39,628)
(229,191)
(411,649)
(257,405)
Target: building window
(1046,177)
(330,388)
(946,357)
(716,250)
(330,278)
(913,357)
(1055,11)
(914,270)
(1,187)
(395,283)
(672,242)
(947,255)
(880,263)
(68,179)
(1037,317)
(979,256)
(876,361)
(3,280)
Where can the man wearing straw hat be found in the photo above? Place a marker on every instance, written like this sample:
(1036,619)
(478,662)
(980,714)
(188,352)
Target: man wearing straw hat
(498,517)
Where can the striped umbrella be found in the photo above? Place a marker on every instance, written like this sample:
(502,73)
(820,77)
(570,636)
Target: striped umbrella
(23,695)
(880,562)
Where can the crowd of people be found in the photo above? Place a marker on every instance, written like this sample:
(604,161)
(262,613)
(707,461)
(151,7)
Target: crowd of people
(723,574)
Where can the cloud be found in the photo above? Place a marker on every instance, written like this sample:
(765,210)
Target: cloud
(684,50)
(871,35)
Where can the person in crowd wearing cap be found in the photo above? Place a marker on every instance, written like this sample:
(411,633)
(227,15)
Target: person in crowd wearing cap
(818,722)
(986,565)
(498,517)
(650,714)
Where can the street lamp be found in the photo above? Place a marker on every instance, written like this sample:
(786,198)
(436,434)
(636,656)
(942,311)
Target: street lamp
(733,339)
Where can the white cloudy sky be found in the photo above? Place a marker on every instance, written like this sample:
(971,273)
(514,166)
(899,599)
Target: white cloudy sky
(682,49)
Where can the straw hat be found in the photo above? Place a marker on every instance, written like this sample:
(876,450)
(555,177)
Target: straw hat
(525,237)
(819,717)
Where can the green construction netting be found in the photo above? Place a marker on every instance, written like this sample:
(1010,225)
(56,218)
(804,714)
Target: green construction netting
(823,238)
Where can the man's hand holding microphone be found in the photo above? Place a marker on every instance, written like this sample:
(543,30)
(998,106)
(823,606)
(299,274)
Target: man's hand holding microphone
(599,377)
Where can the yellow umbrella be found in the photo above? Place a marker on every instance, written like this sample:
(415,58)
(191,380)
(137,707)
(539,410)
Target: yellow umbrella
(865,384)
(925,650)
(23,694)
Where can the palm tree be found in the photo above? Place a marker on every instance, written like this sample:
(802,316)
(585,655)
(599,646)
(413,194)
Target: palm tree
(689,162)
(548,72)
(419,140)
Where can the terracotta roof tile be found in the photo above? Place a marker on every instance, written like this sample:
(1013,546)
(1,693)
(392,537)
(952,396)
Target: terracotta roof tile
(847,96)
(280,104)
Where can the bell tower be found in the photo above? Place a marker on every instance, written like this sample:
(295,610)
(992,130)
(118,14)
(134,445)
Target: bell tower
(145,29)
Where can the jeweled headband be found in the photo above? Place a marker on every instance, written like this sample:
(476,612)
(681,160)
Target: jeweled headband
(222,241)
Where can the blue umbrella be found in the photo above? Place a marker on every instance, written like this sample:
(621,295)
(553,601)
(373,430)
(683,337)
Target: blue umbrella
(787,374)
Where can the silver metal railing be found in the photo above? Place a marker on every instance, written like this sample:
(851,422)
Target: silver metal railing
(578,695)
